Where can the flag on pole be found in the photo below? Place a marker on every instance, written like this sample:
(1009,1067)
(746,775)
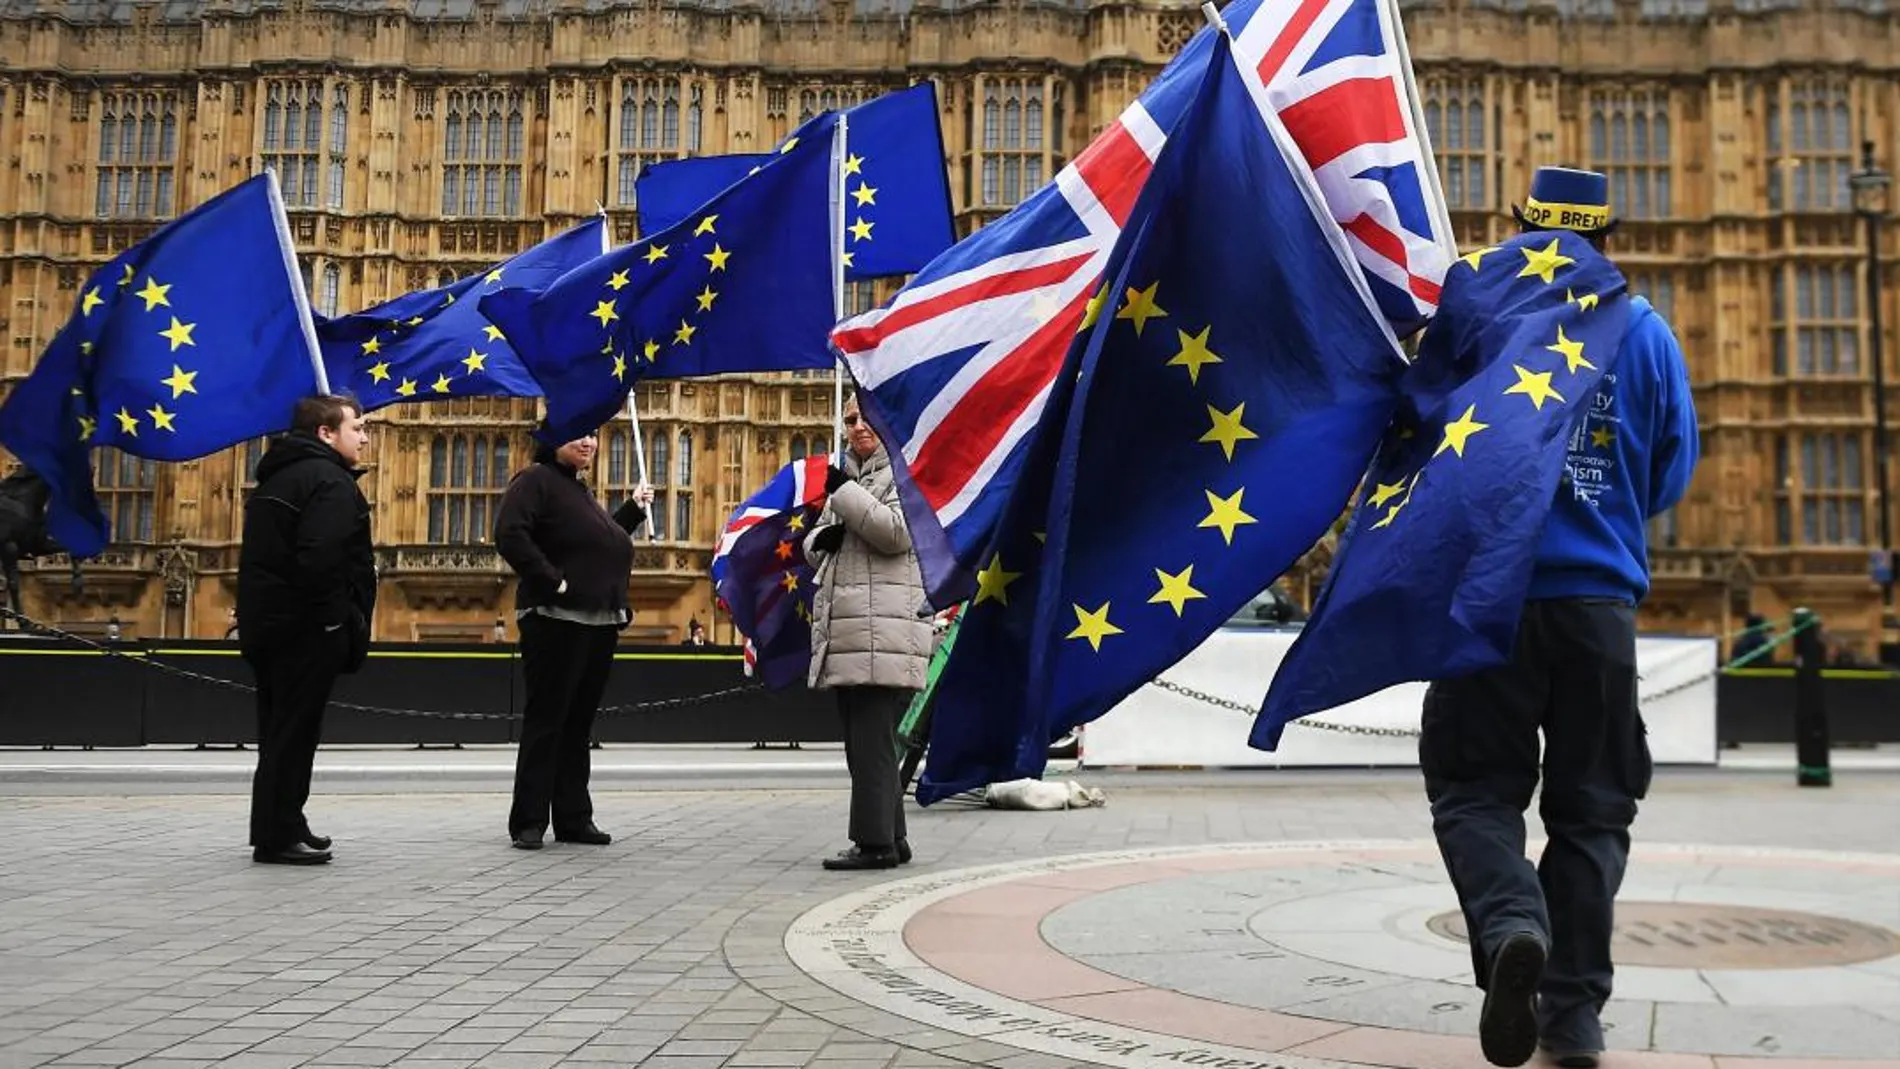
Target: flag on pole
(191,341)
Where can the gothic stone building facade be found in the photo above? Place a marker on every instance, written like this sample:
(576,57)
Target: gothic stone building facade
(419,141)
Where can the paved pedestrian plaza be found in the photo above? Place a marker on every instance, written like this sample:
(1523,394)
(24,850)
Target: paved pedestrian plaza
(1235,920)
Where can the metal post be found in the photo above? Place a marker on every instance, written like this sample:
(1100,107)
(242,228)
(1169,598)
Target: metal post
(1880,399)
(1810,704)
(1870,185)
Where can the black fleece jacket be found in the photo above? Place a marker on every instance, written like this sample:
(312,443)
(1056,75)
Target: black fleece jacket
(549,529)
(307,562)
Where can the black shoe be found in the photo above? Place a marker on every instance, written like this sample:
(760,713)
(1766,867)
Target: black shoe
(1575,1059)
(297,853)
(529,838)
(903,851)
(1507,1028)
(858,859)
(590,835)
(316,842)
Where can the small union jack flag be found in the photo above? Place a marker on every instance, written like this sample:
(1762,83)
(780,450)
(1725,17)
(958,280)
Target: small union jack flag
(761,576)
(955,372)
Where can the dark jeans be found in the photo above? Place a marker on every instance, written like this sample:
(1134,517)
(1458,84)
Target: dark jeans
(871,716)
(566,666)
(293,686)
(1572,675)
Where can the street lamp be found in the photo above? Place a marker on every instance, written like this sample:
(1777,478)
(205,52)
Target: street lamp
(1870,185)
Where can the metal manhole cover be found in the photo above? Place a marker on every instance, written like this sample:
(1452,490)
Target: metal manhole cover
(1687,935)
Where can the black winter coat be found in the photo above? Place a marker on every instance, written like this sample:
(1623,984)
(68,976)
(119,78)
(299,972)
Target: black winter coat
(549,528)
(307,571)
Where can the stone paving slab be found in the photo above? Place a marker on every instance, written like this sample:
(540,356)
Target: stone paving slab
(134,930)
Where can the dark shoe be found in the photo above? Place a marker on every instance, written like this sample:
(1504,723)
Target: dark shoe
(590,835)
(316,842)
(858,859)
(1507,1028)
(903,851)
(1570,1058)
(296,853)
(529,838)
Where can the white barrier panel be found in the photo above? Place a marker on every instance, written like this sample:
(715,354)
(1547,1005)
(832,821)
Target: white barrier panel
(1159,727)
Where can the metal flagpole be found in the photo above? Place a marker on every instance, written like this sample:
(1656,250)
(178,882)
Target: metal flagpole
(838,137)
(633,411)
(284,244)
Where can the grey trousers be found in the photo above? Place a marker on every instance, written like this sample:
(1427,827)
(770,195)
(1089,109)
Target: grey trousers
(871,716)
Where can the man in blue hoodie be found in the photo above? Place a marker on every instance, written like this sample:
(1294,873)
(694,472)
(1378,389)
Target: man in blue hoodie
(1540,936)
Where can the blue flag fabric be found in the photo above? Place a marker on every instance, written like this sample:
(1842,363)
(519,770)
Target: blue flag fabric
(1434,566)
(189,342)
(1232,388)
(671,190)
(760,573)
(898,216)
(745,284)
(436,343)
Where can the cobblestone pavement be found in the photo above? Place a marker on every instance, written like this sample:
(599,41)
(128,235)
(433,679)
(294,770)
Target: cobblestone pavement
(134,930)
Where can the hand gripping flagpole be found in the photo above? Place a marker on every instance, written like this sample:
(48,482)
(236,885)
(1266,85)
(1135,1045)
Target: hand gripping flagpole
(633,412)
(838,136)
(289,250)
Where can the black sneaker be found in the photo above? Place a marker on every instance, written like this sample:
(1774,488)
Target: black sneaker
(1507,1029)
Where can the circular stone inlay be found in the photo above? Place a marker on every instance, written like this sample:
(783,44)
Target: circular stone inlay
(1683,935)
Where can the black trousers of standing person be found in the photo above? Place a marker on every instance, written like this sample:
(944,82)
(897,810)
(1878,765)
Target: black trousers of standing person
(871,716)
(566,666)
(1572,675)
(293,686)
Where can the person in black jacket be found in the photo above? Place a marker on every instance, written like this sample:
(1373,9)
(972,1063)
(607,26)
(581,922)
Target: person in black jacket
(306,593)
(574,561)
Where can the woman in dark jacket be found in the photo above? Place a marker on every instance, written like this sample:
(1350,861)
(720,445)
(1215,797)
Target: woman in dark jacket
(574,561)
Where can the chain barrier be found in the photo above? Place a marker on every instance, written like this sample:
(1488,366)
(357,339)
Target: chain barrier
(662,704)
(1248,709)
(648,707)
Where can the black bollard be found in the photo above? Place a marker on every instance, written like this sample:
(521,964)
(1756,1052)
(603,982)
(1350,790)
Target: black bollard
(1810,704)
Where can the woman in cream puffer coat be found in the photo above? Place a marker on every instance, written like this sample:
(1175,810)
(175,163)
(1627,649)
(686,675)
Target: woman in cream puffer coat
(868,643)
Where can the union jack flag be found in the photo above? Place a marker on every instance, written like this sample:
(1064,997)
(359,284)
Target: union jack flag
(955,372)
(761,576)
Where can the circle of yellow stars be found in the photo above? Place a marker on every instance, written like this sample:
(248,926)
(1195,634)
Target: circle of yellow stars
(607,311)
(475,363)
(1226,513)
(178,333)
(1533,384)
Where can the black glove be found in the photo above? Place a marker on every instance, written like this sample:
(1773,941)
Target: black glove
(835,478)
(828,539)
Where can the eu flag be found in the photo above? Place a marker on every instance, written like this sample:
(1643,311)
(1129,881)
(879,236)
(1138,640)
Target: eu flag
(745,284)
(436,343)
(670,190)
(1434,566)
(761,575)
(895,184)
(191,341)
(1232,388)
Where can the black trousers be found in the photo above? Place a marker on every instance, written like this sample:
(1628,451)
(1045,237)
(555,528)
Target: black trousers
(566,666)
(293,686)
(871,716)
(1572,676)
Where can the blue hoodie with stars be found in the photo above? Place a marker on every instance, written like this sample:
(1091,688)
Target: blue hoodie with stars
(1630,458)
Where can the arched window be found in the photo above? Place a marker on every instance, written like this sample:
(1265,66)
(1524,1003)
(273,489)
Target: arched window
(482,153)
(686,460)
